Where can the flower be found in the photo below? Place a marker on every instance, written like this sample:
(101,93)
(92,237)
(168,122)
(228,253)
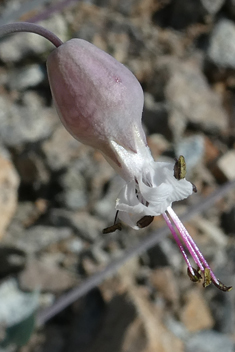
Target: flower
(100,102)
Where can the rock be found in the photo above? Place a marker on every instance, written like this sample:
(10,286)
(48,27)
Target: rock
(61,148)
(212,6)
(211,150)
(24,123)
(164,281)
(37,237)
(196,315)
(29,76)
(46,277)
(209,341)
(15,48)
(87,226)
(226,165)
(192,100)
(221,50)
(9,182)
(15,305)
(74,184)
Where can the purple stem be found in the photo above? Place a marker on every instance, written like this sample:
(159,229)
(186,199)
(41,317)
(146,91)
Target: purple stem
(179,244)
(32,28)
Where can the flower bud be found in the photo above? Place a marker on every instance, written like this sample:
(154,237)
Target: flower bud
(97,98)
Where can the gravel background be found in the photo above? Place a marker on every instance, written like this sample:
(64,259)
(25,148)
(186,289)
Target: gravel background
(56,195)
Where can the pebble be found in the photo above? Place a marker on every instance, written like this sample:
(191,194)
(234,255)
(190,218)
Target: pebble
(195,315)
(61,148)
(212,6)
(85,225)
(46,277)
(9,182)
(165,282)
(15,305)
(37,237)
(226,165)
(75,188)
(221,50)
(24,78)
(27,122)
(192,100)
(209,341)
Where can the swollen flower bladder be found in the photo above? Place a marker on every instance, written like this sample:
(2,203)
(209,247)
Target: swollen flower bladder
(100,102)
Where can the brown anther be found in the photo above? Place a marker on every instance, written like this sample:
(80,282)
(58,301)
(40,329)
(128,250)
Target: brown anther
(207,277)
(180,168)
(196,276)
(145,221)
(194,187)
(112,228)
(222,287)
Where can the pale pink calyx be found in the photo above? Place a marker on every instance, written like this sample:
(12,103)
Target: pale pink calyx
(98,99)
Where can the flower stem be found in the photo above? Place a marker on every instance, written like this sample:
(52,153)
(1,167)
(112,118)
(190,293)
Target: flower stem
(32,28)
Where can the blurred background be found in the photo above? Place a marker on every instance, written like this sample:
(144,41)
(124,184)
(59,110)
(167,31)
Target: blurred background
(56,195)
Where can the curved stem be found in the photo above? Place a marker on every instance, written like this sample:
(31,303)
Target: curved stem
(32,28)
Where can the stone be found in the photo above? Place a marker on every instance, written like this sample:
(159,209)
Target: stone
(15,305)
(212,6)
(192,100)
(61,148)
(37,237)
(195,314)
(221,50)
(46,277)
(226,165)
(29,76)
(85,225)
(74,184)
(209,341)
(211,150)
(165,282)
(9,182)
(28,122)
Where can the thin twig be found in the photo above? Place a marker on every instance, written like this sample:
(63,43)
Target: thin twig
(150,241)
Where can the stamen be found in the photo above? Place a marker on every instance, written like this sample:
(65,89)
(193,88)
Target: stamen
(195,247)
(209,276)
(116,226)
(183,233)
(145,221)
(179,244)
(196,277)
